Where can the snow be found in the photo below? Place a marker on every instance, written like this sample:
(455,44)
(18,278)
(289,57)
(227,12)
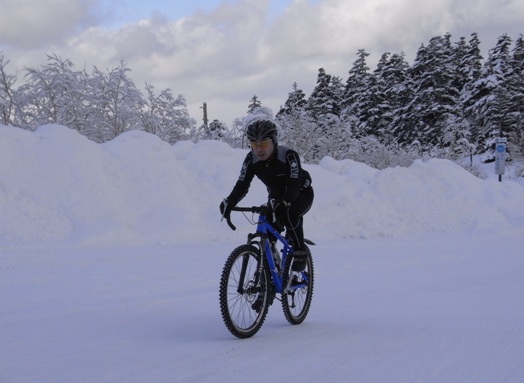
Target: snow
(110,259)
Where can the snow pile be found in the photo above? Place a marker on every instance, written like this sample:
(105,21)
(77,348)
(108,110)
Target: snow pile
(56,186)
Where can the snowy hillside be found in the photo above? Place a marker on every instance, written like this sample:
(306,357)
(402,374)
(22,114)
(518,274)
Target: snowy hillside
(110,258)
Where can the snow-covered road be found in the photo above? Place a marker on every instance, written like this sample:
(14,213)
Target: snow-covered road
(433,309)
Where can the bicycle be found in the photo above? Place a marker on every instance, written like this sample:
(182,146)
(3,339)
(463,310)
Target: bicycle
(254,274)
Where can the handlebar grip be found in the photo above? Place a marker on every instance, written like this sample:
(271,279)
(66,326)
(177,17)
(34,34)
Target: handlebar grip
(228,219)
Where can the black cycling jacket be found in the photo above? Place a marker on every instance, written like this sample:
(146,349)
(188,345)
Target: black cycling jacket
(282,174)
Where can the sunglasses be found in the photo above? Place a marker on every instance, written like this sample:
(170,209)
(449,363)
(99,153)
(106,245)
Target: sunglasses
(262,144)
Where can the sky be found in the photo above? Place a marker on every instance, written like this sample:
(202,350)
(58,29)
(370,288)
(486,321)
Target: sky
(111,256)
(225,52)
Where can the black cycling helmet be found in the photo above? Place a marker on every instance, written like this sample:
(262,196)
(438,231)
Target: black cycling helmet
(260,130)
(260,126)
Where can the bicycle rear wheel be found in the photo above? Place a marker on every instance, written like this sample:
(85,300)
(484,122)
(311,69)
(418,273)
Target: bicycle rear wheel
(298,290)
(244,292)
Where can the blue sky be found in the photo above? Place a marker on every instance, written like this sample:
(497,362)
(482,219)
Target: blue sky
(223,52)
(134,10)
(129,11)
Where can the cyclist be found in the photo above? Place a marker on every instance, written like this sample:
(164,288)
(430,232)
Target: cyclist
(279,168)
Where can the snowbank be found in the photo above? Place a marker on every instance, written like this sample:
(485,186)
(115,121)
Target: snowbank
(57,187)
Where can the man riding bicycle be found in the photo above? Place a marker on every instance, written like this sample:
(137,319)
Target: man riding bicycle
(279,168)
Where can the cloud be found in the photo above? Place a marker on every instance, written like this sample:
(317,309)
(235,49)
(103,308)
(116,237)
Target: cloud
(241,47)
(32,23)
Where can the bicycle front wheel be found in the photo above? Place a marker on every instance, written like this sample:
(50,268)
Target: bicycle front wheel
(244,292)
(298,290)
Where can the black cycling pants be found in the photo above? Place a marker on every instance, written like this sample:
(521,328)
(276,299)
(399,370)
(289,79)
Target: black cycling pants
(293,219)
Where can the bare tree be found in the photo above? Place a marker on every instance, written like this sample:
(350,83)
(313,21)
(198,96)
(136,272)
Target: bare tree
(7,93)
(51,93)
(165,115)
(116,103)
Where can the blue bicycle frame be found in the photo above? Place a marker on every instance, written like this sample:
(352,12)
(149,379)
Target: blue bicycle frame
(264,228)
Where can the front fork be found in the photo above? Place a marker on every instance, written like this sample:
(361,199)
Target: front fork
(243,269)
(254,285)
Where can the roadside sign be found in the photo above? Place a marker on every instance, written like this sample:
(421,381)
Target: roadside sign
(500,156)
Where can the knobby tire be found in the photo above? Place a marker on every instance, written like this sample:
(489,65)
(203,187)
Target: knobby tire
(236,302)
(297,301)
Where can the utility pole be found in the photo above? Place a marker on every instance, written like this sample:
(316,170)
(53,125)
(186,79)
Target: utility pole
(204,107)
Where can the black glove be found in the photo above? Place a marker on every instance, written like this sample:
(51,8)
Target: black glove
(225,209)
(279,216)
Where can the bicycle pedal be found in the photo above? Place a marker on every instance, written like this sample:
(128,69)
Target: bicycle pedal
(296,283)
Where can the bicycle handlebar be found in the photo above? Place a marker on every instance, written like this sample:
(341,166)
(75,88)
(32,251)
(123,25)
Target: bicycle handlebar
(252,209)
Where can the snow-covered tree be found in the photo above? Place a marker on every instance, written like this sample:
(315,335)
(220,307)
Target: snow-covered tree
(323,109)
(55,93)
(217,131)
(7,93)
(458,136)
(254,103)
(468,61)
(117,103)
(295,100)
(296,126)
(515,86)
(372,106)
(235,136)
(321,102)
(434,102)
(298,131)
(391,75)
(486,100)
(164,115)
(356,84)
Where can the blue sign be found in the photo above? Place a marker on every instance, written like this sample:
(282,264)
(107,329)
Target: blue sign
(500,156)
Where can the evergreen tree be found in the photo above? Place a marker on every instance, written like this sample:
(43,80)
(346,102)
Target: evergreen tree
(486,101)
(217,131)
(469,69)
(321,102)
(458,135)
(434,103)
(253,104)
(392,79)
(295,100)
(369,108)
(500,66)
(323,108)
(515,87)
(356,84)
(337,91)
(296,128)
(468,61)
